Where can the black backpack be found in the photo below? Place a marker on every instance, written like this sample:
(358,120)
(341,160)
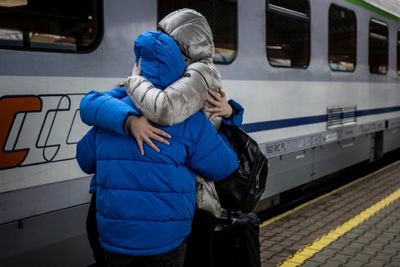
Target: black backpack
(242,189)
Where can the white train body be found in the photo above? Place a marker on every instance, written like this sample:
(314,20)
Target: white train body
(43,193)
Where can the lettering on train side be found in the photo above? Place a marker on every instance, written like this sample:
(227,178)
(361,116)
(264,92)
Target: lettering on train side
(39,129)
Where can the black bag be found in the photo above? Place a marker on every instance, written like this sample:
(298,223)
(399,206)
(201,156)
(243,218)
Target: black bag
(236,240)
(244,187)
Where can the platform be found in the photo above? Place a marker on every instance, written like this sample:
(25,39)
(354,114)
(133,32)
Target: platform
(355,225)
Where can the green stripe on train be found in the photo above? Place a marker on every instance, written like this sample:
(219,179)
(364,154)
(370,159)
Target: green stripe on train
(374,9)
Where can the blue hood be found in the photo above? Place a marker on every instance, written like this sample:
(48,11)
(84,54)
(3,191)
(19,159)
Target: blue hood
(159,58)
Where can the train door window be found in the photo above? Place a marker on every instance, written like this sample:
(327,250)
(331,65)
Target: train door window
(378,47)
(288,33)
(48,25)
(398,52)
(221,15)
(342,52)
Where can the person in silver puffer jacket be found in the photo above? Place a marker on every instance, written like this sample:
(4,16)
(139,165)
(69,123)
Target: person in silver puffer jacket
(187,95)
(180,100)
(176,103)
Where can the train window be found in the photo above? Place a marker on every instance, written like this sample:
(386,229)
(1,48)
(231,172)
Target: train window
(288,33)
(48,25)
(222,18)
(398,52)
(378,47)
(342,39)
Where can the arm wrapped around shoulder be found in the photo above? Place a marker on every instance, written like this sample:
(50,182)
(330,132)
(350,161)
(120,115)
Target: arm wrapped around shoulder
(106,110)
(179,100)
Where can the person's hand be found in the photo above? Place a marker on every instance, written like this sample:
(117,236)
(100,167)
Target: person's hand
(144,131)
(219,104)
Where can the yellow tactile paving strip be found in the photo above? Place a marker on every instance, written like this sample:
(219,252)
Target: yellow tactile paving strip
(276,218)
(310,250)
(285,235)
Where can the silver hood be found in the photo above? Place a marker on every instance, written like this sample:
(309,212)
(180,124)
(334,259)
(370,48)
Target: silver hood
(187,95)
(191,30)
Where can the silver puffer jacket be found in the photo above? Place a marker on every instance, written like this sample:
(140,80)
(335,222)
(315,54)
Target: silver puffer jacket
(187,95)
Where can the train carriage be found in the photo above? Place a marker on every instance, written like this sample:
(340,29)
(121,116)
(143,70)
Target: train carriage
(319,79)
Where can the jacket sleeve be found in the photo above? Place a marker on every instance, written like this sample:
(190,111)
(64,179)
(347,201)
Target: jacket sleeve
(179,100)
(106,110)
(211,157)
(86,152)
(237,117)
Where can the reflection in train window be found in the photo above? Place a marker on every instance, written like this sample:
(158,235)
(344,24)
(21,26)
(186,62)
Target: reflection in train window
(67,25)
(398,52)
(222,18)
(288,33)
(378,47)
(342,39)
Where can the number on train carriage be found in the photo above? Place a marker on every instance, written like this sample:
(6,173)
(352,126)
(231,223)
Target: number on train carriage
(288,33)
(47,25)
(222,18)
(342,51)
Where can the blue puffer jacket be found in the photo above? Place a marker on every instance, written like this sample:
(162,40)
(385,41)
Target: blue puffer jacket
(145,204)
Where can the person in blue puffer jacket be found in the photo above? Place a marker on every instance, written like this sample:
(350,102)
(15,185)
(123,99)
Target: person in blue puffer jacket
(168,106)
(145,203)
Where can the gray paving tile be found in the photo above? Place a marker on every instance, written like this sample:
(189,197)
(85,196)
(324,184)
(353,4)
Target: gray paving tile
(382,256)
(370,251)
(331,263)
(362,257)
(395,245)
(276,248)
(341,258)
(356,245)
(376,263)
(320,258)
(389,251)
(348,251)
(328,252)
(364,240)
(354,263)
(268,264)
(267,254)
(276,259)
(377,245)
(311,264)
(337,246)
